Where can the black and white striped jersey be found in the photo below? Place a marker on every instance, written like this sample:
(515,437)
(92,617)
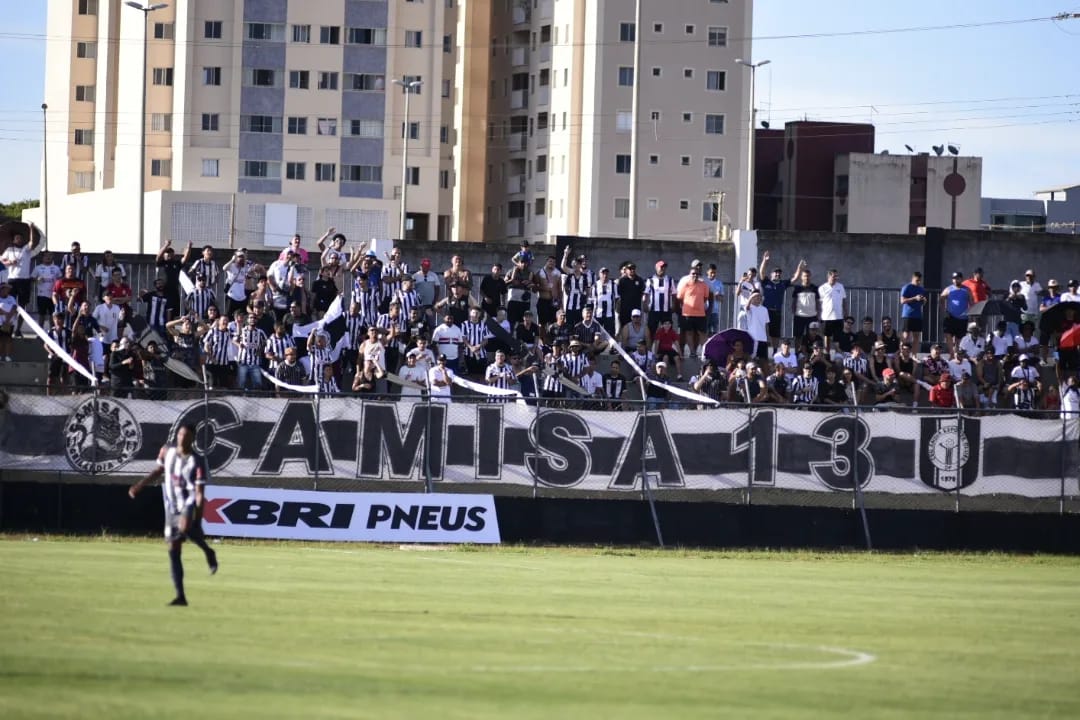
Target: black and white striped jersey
(356,326)
(199,300)
(603,296)
(252,344)
(503,376)
(328,386)
(1024,399)
(207,268)
(81,264)
(804,390)
(387,322)
(575,291)
(857,365)
(659,292)
(320,358)
(552,371)
(368,300)
(475,334)
(276,347)
(157,309)
(216,344)
(389,272)
(574,363)
(60,335)
(614,386)
(407,300)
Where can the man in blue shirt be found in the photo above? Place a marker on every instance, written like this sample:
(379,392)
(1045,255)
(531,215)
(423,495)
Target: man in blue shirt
(955,301)
(912,302)
(716,294)
(773,289)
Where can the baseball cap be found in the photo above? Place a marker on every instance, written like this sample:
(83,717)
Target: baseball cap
(973,326)
(1025,356)
(888,372)
(978,271)
(695,263)
(442,357)
(815,325)
(661,263)
(662,365)
(635,313)
(426,262)
(957,275)
(603,270)
(1073,283)
(1051,283)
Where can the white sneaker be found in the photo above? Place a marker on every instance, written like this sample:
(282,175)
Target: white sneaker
(7,358)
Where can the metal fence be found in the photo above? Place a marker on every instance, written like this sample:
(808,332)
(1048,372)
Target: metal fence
(851,457)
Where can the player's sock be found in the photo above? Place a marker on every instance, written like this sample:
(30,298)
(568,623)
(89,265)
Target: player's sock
(211,556)
(177,569)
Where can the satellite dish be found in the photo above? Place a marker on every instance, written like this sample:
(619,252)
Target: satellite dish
(954,150)
(910,149)
(939,150)
(765,124)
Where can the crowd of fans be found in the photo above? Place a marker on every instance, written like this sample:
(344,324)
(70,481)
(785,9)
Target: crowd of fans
(545,327)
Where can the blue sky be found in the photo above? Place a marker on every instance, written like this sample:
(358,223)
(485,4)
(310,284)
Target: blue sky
(1009,93)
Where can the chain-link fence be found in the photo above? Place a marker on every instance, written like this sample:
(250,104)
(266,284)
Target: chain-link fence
(820,456)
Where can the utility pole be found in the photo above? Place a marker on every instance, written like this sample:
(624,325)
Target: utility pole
(635,106)
(718,196)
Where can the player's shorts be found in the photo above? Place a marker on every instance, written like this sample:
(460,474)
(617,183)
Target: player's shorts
(172,523)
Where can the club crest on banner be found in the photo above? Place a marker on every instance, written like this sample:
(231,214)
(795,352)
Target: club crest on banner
(101,441)
(949,452)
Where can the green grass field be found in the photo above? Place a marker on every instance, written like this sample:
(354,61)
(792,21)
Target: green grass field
(301,631)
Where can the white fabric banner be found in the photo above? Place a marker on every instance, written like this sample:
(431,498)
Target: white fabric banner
(60,352)
(309,389)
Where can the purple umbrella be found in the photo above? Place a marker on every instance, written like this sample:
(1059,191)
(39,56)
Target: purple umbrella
(719,346)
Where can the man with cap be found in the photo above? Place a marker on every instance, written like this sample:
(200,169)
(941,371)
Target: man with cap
(973,343)
(754,319)
(1031,289)
(942,394)
(521,283)
(885,392)
(603,296)
(428,286)
(524,255)
(955,300)
(447,340)
(630,292)
(774,289)
(635,331)
(978,288)
(834,306)
(912,304)
(1053,295)
(1025,383)
(1071,295)
(440,379)
(659,296)
(693,305)
(960,365)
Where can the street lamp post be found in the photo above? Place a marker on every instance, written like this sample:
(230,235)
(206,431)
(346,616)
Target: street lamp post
(408,86)
(146,10)
(44,168)
(635,102)
(750,148)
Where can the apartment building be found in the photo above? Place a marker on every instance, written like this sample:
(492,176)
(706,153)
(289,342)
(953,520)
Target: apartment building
(266,118)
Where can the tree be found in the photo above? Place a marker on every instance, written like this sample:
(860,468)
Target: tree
(14,210)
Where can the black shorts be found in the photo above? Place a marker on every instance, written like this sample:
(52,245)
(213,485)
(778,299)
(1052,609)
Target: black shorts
(957,327)
(912,324)
(656,317)
(776,319)
(45,306)
(57,369)
(515,310)
(693,324)
(21,290)
(669,356)
(832,328)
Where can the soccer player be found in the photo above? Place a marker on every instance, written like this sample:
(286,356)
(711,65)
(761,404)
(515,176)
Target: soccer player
(185,474)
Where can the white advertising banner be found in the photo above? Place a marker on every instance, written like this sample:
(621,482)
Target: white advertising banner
(349,517)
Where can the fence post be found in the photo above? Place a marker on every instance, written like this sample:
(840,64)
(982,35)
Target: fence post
(318,437)
(646,490)
(428,486)
(858,500)
(960,439)
(1064,461)
(748,494)
(539,401)
(94,428)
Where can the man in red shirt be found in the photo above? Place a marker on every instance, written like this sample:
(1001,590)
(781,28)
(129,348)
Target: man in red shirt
(978,288)
(942,395)
(694,299)
(120,290)
(665,345)
(69,293)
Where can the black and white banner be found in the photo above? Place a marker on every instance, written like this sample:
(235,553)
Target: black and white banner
(349,517)
(713,449)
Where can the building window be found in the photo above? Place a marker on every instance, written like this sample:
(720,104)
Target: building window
(210,122)
(299,79)
(85,93)
(212,30)
(365,82)
(84,137)
(260,123)
(709,211)
(409,79)
(326,126)
(626,76)
(444,134)
(414,38)
(444,179)
(295,171)
(622,207)
(362,173)
(325,172)
(301,33)
(714,124)
(297,126)
(328,81)
(716,80)
(717,36)
(161,168)
(688,73)
(446,88)
(366,128)
(688,117)
(260,169)
(260,77)
(658,28)
(684,204)
(684,160)
(447,43)
(86,50)
(689,29)
(161,122)
(164,31)
(624,121)
(714,167)
(414,130)
(84,180)
(366,36)
(654,159)
(654,116)
(652,204)
(211,75)
(88,7)
(329,35)
(657,72)
(541,164)
(271,32)
(211,167)
(412,175)
(627,32)
(163,76)
(622,164)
